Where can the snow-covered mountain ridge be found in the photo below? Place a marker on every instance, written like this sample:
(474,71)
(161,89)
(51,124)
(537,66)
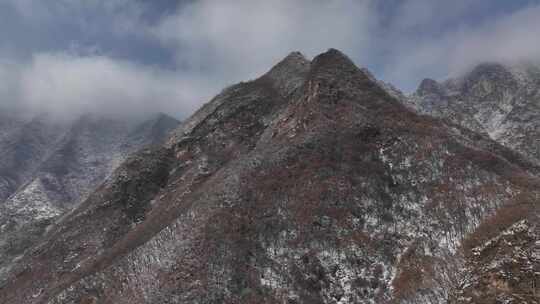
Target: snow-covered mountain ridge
(500,101)
(48,167)
(310,184)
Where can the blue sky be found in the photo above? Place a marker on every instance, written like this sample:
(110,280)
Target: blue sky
(120,56)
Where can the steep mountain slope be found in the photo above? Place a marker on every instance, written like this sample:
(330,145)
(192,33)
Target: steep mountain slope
(310,184)
(505,268)
(9,122)
(63,168)
(498,100)
(502,102)
(23,146)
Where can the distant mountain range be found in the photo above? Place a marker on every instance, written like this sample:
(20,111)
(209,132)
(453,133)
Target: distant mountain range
(47,168)
(502,102)
(315,183)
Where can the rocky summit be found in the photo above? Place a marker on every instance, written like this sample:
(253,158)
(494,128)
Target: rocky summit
(500,101)
(314,183)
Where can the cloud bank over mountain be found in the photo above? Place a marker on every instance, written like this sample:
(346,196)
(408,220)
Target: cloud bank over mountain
(127,57)
(66,84)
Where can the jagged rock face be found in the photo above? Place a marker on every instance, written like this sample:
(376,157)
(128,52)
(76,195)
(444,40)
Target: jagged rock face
(310,184)
(56,166)
(500,101)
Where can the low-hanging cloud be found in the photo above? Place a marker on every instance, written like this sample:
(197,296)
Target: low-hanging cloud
(403,43)
(182,54)
(510,38)
(242,38)
(67,85)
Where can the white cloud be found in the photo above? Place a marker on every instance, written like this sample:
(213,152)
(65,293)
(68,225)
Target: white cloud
(66,84)
(514,38)
(235,40)
(218,43)
(430,15)
(509,39)
(240,39)
(9,80)
(92,16)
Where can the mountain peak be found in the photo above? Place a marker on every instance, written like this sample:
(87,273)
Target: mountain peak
(429,86)
(294,61)
(492,71)
(289,74)
(340,73)
(489,67)
(489,78)
(296,57)
(332,52)
(333,57)
(335,64)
